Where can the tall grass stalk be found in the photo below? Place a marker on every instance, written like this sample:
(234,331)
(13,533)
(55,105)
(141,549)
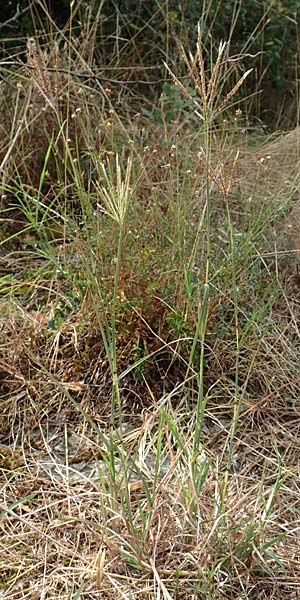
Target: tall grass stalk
(225,185)
(115,191)
(207,106)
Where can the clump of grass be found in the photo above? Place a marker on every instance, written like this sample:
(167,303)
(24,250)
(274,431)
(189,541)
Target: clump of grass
(145,286)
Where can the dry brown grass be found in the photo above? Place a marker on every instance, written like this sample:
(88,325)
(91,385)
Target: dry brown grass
(62,527)
(56,534)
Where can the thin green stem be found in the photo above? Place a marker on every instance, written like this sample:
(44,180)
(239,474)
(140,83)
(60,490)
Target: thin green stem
(116,400)
(203,315)
(207,196)
(237,396)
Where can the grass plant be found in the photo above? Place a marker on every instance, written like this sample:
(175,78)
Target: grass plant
(149,337)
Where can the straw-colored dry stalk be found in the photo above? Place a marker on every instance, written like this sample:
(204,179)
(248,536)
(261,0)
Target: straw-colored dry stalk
(38,73)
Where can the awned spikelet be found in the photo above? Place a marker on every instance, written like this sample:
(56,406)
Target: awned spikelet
(209,87)
(38,73)
(114,190)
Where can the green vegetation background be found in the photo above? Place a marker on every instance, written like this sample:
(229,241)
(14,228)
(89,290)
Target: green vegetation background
(265,30)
